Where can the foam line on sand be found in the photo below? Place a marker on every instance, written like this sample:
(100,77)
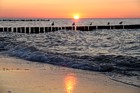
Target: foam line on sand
(20,76)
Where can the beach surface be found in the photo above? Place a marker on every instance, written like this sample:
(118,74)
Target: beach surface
(20,76)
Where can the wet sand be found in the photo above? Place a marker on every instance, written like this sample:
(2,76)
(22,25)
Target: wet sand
(20,76)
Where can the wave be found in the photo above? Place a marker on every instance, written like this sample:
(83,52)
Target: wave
(117,63)
(45,49)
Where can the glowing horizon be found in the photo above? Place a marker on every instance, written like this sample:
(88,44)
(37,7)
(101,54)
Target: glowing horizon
(68,8)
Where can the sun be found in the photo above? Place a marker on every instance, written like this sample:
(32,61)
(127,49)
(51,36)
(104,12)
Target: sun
(76,17)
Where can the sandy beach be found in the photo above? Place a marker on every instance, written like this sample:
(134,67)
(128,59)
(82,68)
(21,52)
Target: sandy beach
(69,46)
(20,76)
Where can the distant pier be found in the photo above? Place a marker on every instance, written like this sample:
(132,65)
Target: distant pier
(24,20)
(53,28)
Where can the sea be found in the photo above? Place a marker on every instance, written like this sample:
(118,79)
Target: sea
(114,52)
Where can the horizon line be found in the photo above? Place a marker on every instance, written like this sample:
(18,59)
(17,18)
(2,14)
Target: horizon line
(67,18)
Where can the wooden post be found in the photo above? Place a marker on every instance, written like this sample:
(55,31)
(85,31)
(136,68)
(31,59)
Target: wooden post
(16,29)
(51,29)
(96,27)
(113,27)
(33,29)
(24,29)
(75,27)
(12,29)
(48,29)
(39,29)
(20,29)
(88,28)
(3,29)
(29,30)
(123,26)
(43,29)
(9,29)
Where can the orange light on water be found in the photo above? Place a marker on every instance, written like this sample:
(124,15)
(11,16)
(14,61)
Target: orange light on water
(70,82)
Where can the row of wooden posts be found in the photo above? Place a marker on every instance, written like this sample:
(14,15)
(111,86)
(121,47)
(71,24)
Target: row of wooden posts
(78,28)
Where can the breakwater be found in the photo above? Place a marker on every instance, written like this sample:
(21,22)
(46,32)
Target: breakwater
(54,28)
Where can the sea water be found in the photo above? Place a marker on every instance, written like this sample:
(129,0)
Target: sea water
(68,22)
(115,52)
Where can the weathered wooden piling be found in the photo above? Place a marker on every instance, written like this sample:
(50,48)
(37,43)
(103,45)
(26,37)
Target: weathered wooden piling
(9,29)
(5,29)
(1,29)
(42,30)
(46,29)
(23,30)
(53,28)
(131,26)
(18,29)
(27,29)
(32,30)
(14,29)
(35,30)
(59,28)
(69,28)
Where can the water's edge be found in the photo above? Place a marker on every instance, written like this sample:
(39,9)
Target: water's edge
(115,66)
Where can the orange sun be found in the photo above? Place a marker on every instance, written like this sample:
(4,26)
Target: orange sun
(76,17)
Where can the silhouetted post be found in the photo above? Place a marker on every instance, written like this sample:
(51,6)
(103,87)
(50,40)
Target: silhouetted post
(61,28)
(96,27)
(43,29)
(24,29)
(16,30)
(12,29)
(5,29)
(113,27)
(38,30)
(20,29)
(47,29)
(33,29)
(88,28)
(2,29)
(29,30)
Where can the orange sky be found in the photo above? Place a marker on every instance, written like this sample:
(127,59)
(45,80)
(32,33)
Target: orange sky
(68,8)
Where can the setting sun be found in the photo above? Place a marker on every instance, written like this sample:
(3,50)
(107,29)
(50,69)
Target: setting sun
(76,17)
(64,9)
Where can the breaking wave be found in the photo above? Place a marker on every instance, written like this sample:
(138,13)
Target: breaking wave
(116,53)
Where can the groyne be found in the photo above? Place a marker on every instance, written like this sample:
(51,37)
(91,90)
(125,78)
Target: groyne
(54,28)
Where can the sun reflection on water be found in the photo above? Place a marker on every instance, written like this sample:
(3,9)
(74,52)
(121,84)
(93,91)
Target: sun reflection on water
(70,82)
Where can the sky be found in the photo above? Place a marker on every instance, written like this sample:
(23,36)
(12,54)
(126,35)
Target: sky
(69,8)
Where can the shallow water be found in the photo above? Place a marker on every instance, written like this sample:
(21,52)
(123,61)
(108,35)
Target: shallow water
(115,52)
(33,77)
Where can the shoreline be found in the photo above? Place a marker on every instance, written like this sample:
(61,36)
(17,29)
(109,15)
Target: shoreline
(21,76)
